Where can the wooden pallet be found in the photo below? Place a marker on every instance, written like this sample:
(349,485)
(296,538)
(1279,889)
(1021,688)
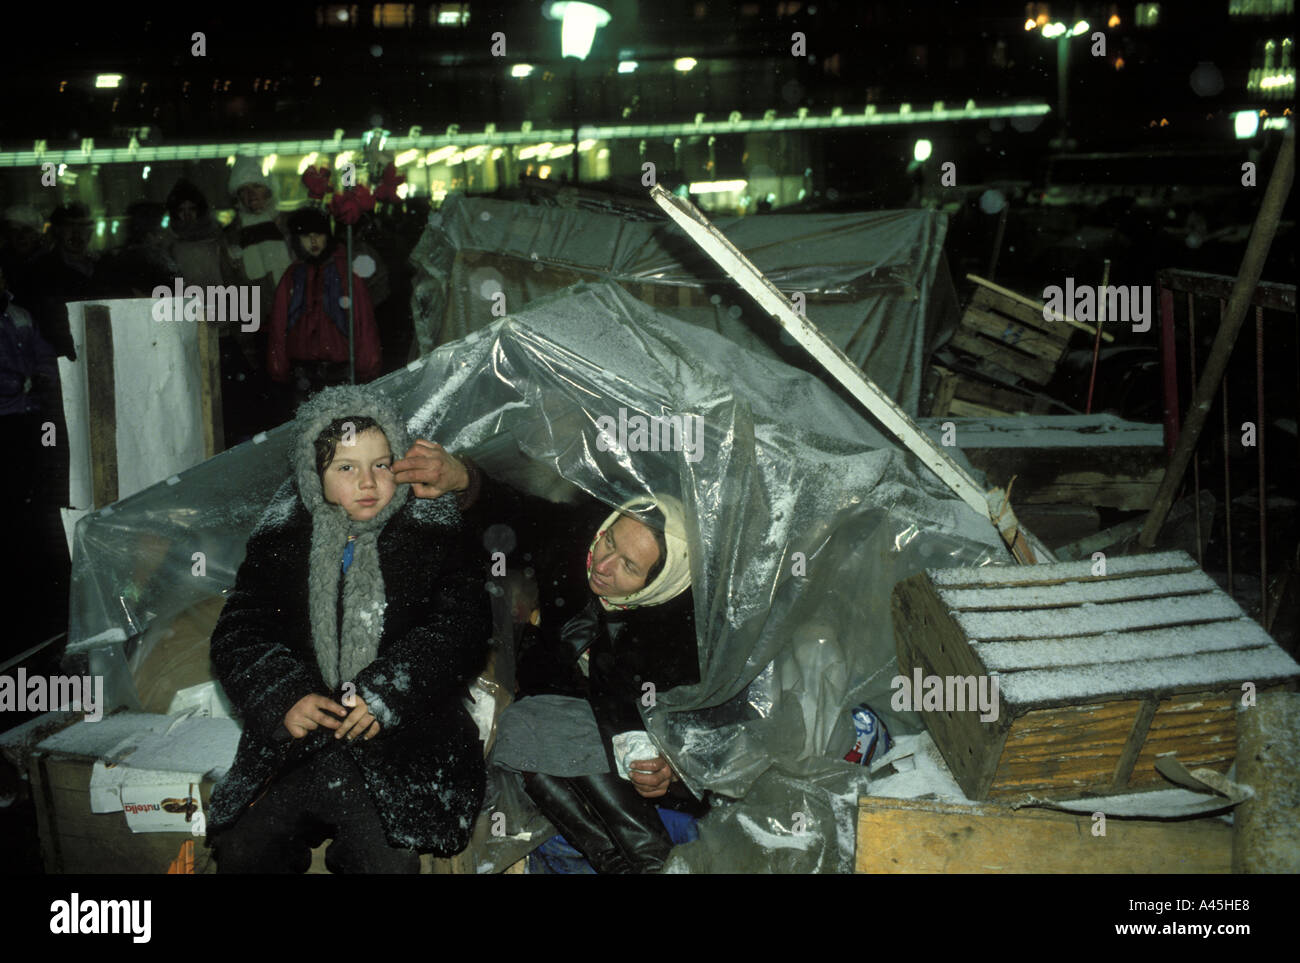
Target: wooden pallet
(1005,329)
(1098,671)
(960,396)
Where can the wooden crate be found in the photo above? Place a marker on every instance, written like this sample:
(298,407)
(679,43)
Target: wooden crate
(1097,673)
(960,396)
(1011,334)
(923,836)
(75,840)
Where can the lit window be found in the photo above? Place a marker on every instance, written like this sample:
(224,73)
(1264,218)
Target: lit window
(394,14)
(449,14)
(1147,15)
(337,15)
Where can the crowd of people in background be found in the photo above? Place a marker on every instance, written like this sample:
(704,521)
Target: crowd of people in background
(295,259)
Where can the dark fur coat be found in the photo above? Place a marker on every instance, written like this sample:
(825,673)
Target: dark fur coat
(425,769)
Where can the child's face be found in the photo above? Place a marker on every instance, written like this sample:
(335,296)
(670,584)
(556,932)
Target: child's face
(360,478)
(313,244)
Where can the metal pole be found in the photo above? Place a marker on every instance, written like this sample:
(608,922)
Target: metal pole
(1101,323)
(1063,84)
(1259,449)
(352,349)
(1243,290)
(1227,476)
(1196,462)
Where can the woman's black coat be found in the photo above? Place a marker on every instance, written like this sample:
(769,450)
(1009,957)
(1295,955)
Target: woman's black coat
(652,645)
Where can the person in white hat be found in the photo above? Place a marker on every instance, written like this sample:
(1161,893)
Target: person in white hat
(258,243)
(614,586)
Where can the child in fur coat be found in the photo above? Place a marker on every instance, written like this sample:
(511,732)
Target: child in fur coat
(356,622)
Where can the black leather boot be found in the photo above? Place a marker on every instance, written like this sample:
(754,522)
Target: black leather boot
(630,819)
(568,812)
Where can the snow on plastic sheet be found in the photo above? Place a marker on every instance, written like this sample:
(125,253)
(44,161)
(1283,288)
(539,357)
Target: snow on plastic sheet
(802,518)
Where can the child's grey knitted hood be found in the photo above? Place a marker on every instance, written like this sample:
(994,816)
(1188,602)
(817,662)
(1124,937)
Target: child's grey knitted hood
(342,654)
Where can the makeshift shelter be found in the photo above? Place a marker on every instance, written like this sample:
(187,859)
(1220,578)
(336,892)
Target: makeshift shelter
(876,282)
(804,518)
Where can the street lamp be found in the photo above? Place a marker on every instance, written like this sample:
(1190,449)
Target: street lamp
(578,25)
(1062,35)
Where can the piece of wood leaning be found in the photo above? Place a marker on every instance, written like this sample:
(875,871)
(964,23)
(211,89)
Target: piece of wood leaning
(1099,668)
(101,400)
(214,432)
(924,836)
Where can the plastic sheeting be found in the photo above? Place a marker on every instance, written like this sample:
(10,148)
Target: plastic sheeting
(803,519)
(876,283)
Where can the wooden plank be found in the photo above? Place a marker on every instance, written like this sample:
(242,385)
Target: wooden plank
(1267,838)
(1102,617)
(1137,738)
(1001,400)
(1201,727)
(1123,477)
(1075,488)
(1000,328)
(919,836)
(1064,751)
(1076,593)
(1031,303)
(47,830)
(960,408)
(101,399)
(214,433)
(944,390)
(1055,572)
(928,639)
(1026,366)
(1032,316)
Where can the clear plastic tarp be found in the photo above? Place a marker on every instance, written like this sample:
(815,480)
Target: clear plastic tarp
(876,282)
(804,517)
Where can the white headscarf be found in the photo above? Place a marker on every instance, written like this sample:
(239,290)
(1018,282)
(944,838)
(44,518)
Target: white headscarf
(675,577)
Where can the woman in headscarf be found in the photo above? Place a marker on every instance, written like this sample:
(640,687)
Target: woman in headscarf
(614,625)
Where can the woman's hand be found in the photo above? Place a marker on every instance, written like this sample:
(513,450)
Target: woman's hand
(652,777)
(430,470)
(311,712)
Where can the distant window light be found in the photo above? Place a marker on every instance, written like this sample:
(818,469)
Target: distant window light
(339,15)
(451,14)
(1147,15)
(1260,8)
(788,8)
(108,80)
(394,14)
(701,11)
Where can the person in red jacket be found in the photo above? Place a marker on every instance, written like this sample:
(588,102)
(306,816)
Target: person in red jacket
(308,340)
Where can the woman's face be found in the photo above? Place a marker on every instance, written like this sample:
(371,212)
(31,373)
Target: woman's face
(622,558)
